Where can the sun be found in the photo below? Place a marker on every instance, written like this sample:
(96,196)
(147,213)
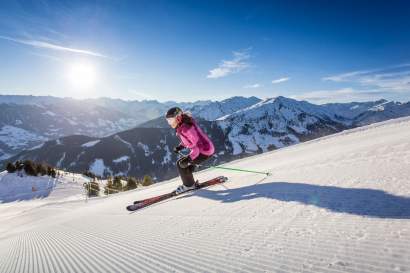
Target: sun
(82,75)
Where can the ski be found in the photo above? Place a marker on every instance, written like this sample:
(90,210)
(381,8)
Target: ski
(139,204)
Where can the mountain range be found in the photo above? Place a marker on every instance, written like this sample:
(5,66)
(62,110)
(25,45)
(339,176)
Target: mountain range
(238,126)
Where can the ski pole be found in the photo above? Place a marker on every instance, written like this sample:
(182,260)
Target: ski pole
(236,169)
(230,169)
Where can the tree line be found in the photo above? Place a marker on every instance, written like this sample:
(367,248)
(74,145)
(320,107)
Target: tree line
(31,168)
(115,184)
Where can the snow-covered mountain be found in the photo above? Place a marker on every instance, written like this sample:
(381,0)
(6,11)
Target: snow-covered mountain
(276,123)
(28,121)
(265,125)
(351,110)
(383,111)
(335,204)
(136,152)
(23,126)
(217,109)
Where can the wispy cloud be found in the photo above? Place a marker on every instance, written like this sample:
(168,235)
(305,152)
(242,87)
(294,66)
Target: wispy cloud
(137,94)
(256,85)
(393,79)
(340,95)
(51,46)
(285,79)
(227,67)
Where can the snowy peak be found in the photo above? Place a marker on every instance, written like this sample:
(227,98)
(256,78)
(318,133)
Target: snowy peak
(215,110)
(281,106)
(277,122)
(383,111)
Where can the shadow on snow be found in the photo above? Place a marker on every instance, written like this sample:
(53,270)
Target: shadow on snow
(363,202)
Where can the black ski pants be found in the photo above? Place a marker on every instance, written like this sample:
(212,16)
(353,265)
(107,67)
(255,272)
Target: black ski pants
(186,168)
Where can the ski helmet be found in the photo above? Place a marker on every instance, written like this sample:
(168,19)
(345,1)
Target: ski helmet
(173,112)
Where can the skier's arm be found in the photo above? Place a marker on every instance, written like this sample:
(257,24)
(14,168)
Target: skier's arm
(192,137)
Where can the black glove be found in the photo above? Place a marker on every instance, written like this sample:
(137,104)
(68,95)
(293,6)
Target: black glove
(178,148)
(185,162)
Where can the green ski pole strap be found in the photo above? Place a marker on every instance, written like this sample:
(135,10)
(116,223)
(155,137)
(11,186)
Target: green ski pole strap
(239,170)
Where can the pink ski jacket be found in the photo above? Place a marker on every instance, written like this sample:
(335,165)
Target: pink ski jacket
(193,138)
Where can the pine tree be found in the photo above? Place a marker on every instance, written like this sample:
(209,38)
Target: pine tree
(93,188)
(108,186)
(10,167)
(147,181)
(117,183)
(30,168)
(19,165)
(131,183)
(41,169)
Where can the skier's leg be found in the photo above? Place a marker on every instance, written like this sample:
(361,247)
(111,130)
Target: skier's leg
(200,159)
(185,173)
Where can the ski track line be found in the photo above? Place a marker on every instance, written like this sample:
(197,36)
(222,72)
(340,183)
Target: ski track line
(84,260)
(253,264)
(56,245)
(165,245)
(77,259)
(109,258)
(21,255)
(130,258)
(43,252)
(351,247)
(35,265)
(7,252)
(51,253)
(51,243)
(185,255)
(64,260)
(8,262)
(212,251)
(360,261)
(209,251)
(177,259)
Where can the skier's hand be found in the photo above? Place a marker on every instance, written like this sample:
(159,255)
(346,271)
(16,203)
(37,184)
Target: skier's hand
(185,162)
(178,148)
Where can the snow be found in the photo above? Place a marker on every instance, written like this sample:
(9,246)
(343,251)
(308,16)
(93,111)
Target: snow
(167,158)
(215,110)
(98,167)
(60,161)
(16,137)
(14,187)
(335,204)
(20,193)
(121,159)
(91,143)
(36,147)
(145,148)
(49,113)
(72,122)
(129,145)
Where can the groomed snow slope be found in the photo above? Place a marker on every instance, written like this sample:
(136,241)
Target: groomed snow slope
(337,204)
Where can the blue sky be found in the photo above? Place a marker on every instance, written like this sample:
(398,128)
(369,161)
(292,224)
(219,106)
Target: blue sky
(320,51)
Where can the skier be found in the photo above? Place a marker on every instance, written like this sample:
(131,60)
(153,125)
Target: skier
(193,138)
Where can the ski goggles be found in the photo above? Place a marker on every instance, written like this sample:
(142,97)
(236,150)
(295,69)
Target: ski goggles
(171,120)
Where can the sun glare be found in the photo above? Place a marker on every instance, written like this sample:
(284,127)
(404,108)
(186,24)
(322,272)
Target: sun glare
(82,75)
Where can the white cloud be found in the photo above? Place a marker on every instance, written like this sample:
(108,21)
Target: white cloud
(225,68)
(47,45)
(392,79)
(256,85)
(280,80)
(340,95)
